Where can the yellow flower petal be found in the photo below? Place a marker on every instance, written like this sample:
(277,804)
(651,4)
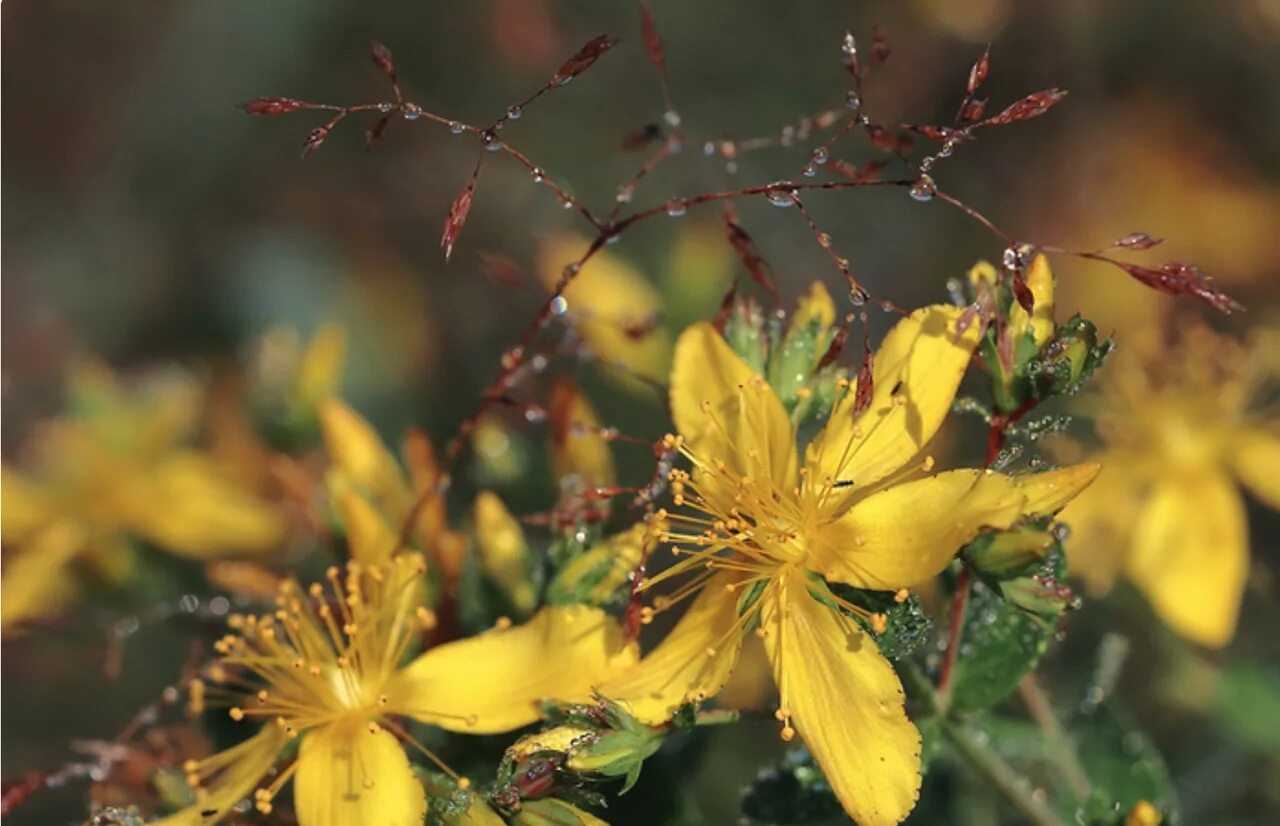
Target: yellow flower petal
(321,366)
(35,581)
(726,410)
(360,459)
(696,658)
(577,448)
(246,767)
(24,506)
(1191,556)
(550,811)
(845,700)
(350,776)
(906,534)
(1101,520)
(493,682)
(611,305)
(1255,457)
(1050,491)
(189,506)
(503,551)
(817,305)
(369,538)
(916,373)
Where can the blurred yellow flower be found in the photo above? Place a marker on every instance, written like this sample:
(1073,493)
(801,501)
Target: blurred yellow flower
(375,497)
(115,468)
(328,669)
(580,455)
(615,310)
(1179,432)
(504,554)
(768,530)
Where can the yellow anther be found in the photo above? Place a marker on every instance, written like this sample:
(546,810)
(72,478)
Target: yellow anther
(503,623)
(902,596)
(236,713)
(464,783)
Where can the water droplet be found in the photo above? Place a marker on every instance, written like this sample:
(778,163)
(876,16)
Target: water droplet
(624,194)
(534,415)
(820,155)
(411,111)
(1061,531)
(514,112)
(384,108)
(709,148)
(849,46)
(677,207)
(948,146)
(852,101)
(923,189)
(672,117)
(858,298)
(454,127)
(490,141)
(538,174)
(569,271)
(731,167)
(809,171)
(559,305)
(781,195)
(566,203)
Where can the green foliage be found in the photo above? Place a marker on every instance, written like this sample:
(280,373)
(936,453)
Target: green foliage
(1122,765)
(1248,706)
(794,791)
(907,625)
(1008,627)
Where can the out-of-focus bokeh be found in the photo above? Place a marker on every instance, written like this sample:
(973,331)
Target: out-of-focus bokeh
(148,220)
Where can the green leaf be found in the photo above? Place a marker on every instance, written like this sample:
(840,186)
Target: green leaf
(1123,767)
(907,625)
(793,792)
(999,644)
(1248,706)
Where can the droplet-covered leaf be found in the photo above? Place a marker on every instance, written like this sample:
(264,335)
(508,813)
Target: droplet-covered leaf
(794,791)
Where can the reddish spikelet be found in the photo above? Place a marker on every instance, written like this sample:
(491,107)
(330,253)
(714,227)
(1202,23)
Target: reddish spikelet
(1177,278)
(746,251)
(315,138)
(1022,293)
(382,59)
(1031,106)
(880,43)
(978,73)
(973,111)
(642,137)
(582,60)
(866,384)
(457,216)
(652,41)
(501,269)
(726,307)
(836,346)
(275,106)
(861,173)
(376,131)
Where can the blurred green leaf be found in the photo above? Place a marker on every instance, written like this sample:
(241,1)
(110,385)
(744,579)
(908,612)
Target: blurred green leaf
(1123,766)
(1248,706)
(999,644)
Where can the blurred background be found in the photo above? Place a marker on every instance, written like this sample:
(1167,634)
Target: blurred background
(147,220)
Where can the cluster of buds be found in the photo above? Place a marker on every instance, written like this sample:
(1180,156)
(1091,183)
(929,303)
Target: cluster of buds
(795,353)
(551,771)
(1028,354)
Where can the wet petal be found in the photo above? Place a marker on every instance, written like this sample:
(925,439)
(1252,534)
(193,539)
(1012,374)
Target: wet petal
(360,460)
(1255,457)
(920,363)
(906,534)
(1050,491)
(727,411)
(349,775)
(494,682)
(1191,556)
(845,700)
(578,450)
(243,769)
(681,666)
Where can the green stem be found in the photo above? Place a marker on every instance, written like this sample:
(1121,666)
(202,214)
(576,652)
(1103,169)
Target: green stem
(1061,750)
(1004,778)
(980,757)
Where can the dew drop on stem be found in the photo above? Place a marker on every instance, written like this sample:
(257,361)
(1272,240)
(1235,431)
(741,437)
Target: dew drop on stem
(514,112)
(677,207)
(923,189)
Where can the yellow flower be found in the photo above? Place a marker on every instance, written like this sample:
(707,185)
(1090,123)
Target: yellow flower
(1167,513)
(328,669)
(504,554)
(376,498)
(612,307)
(580,455)
(118,467)
(766,530)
